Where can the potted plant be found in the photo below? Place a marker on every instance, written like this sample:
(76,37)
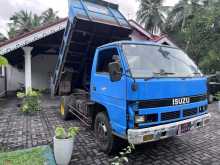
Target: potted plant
(63,144)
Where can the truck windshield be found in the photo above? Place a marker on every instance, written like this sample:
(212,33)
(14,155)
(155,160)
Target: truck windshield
(147,61)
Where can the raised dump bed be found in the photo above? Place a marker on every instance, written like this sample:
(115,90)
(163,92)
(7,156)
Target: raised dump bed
(91,24)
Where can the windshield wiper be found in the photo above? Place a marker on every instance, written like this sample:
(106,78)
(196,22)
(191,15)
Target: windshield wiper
(158,74)
(196,73)
(163,73)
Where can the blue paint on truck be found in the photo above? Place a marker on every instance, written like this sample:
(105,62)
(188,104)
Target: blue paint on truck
(138,91)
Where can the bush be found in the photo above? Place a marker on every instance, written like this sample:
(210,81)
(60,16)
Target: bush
(30,101)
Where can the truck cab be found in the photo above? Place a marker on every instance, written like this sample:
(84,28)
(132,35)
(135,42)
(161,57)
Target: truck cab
(149,91)
(123,89)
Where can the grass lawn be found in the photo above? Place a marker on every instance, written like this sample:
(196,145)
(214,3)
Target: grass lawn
(34,156)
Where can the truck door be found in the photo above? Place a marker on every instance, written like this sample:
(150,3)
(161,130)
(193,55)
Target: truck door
(110,94)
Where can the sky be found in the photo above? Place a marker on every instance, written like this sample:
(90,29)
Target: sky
(8,7)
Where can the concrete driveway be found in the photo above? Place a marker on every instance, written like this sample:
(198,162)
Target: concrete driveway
(19,131)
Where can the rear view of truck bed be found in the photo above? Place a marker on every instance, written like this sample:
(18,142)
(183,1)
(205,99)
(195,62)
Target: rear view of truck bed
(90,25)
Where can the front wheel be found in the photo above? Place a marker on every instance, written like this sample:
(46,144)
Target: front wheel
(103,132)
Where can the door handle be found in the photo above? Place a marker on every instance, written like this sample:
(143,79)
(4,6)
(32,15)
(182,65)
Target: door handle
(94,88)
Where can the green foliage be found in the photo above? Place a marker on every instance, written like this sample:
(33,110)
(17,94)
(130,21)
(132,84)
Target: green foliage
(122,159)
(182,12)
(34,156)
(24,21)
(199,33)
(61,133)
(217,96)
(30,101)
(151,14)
(72,131)
(49,16)
(210,63)
(3,61)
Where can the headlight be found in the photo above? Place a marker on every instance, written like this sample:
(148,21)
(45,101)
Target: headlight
(139,119)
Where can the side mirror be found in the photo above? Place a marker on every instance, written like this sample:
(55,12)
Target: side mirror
(115,71)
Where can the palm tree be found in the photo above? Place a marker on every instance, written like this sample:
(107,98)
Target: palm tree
(22,21)
(181,12)
(12,31)
(49,16)
(36,21)
(151,14)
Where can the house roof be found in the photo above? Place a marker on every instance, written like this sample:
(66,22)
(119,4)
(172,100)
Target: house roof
(151,37)
(48,29)
(140,29)
(32,36)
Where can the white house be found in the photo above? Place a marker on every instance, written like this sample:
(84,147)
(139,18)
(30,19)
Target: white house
(33,56)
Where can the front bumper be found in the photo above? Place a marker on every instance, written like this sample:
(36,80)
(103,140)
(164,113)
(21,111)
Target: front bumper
(138,136)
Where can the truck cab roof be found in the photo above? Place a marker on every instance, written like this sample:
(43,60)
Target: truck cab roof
(132,42)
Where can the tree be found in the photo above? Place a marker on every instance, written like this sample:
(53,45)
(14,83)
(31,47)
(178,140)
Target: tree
(210,63)
(49,15)
(151,14)
(24,21)
(21,21)
(200,37)
(181,12)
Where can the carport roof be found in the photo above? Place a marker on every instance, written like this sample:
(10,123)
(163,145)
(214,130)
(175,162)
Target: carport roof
(33,36)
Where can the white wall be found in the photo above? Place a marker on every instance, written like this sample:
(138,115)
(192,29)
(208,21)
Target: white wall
(42,67)
(14,77)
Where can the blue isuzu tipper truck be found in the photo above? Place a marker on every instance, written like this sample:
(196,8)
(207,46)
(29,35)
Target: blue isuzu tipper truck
(138,91)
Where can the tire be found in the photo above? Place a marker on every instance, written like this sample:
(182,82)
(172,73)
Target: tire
(64,108)
(103,132)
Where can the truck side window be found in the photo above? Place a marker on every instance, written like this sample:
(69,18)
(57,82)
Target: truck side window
(104,58)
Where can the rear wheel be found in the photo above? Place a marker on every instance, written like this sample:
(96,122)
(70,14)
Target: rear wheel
(64,108)
(103,132)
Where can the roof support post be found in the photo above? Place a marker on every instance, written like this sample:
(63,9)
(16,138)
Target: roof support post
(27,57)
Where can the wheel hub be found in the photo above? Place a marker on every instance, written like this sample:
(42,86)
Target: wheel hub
(62,109)
(102,132)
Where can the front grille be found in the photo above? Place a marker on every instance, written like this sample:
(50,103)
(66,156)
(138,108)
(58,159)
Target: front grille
(167,102)
(170,115)
(190,112)
(203,109)
(150,118)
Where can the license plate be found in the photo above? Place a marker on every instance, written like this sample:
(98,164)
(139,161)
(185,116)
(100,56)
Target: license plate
(148,137)
(185,127)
